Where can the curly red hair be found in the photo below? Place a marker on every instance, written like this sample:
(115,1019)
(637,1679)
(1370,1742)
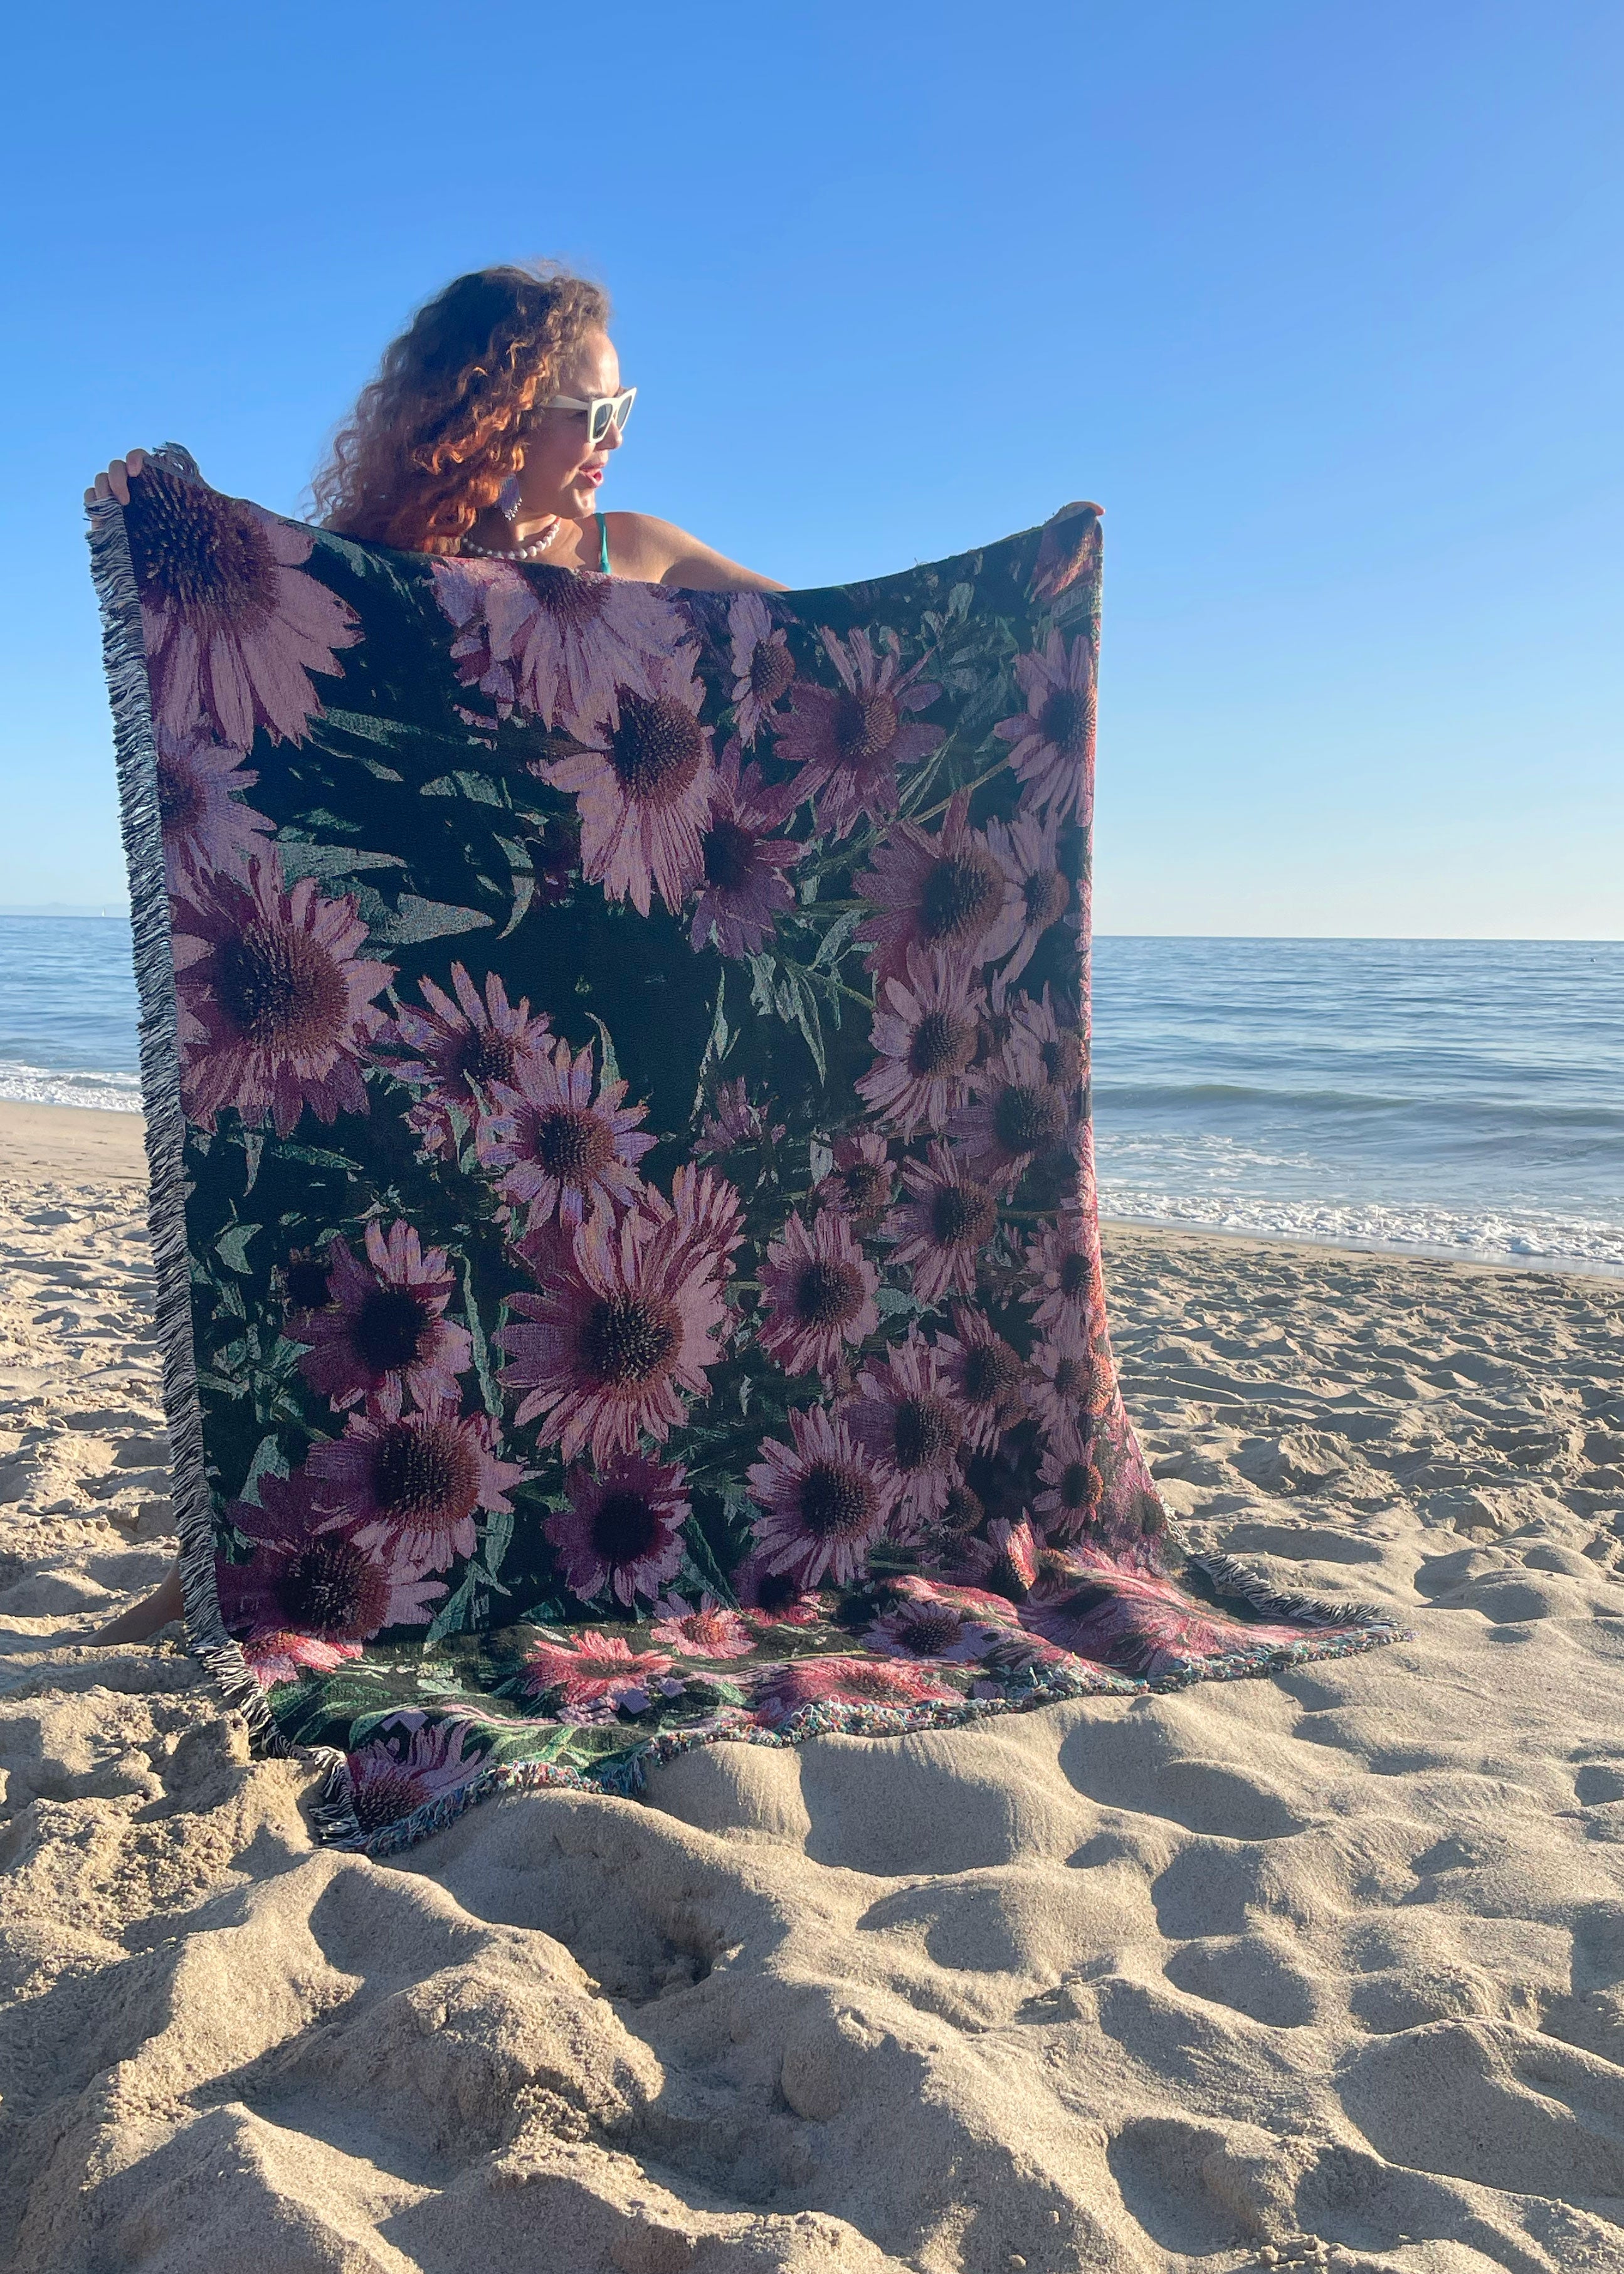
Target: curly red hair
(436,434)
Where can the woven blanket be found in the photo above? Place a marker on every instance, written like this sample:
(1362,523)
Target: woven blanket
(616,1065)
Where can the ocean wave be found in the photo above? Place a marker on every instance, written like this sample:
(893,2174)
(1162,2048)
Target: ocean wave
(1503,1111)
(31,1085)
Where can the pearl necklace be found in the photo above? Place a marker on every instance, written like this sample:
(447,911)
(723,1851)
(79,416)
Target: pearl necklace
(513,552)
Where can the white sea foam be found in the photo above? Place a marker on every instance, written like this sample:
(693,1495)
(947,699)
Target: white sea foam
(31,1085)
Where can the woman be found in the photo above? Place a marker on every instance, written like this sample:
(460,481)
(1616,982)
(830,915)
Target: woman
(487,432)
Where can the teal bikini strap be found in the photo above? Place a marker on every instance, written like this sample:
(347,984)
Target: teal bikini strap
(603,543)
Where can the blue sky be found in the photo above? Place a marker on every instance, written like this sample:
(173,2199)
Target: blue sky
(1320,301)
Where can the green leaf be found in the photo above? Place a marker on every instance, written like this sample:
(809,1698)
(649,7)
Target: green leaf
(718,1041)
(414,919)
(612,1065)
(488,1390)
(232,1246)
(326,863)
(523,881)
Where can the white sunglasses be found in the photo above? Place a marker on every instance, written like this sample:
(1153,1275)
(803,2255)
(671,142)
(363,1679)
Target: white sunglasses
(602,411)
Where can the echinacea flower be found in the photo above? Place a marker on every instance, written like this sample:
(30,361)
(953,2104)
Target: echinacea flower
(941,1227)
(274,1655)
(644,785)
(409,1761)
(324,1587)
(555,1149)
(945,892)
(926,1625)
(1006,1562)
(232,626)
(276,1005)
(986,1377)
(787,1691)
(1015,1115)
(744,890)
(823,1501)
(1074,1494)
(773,1599)
(848,742)
(712,1630)
(458,1050)
(817,1294)
(207,821)
(627,1320)
(552,642)
(409,1483)
(1135,1622)
(622,1530)
(1063,1278)
(863,1181)
(1053,738)
(905,1414)
(1064,1375)
(1026,851)
(925,1035)
(734,1120)
(763,666)
(380,1330)
(596,1676)
(1056,1037)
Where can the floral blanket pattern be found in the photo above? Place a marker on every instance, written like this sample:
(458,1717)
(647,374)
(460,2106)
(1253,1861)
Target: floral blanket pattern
(617,1069)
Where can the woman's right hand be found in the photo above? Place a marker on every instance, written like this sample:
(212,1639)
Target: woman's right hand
(117,480)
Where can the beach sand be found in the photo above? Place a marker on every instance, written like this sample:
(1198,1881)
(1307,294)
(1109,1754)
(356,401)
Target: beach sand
(1175,1983)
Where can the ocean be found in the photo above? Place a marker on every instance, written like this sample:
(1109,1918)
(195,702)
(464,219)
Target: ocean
(1454,1097)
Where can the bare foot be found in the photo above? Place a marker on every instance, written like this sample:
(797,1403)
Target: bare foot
(146,1617)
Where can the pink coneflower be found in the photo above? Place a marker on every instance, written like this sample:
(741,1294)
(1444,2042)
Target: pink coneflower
(622,1530)
(553,641)
(817,1294)
(928,1625)
(1074,1494)
(1015,1115)
(711,1631)
(733,1121)
(905,1414)
(276,1006)
(744,890)
(1063,1276)
(1070,548)
(1063,1380)
(763,666)
(1006,1562)
(409,1483)
(628,1321)
(925,1036)
(1058,1041)
(556,1150)
(327,1586)
(207,824)
(824,1503)
(1053,737)
(596,1676)
(460,1049)
(1026,850)
(849,742)
(946,893)
(985,1376)
(706,1210)
(644,786)
(1138,1623)
(790,1689)
(379,1330)
(274,1655)
(863,1181)
(409,1761)
(233,629)
(774,1599)
(941,1227)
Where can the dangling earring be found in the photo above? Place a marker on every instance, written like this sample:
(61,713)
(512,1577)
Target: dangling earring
(508,499)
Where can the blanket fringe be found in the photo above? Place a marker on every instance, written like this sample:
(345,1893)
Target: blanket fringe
(1230,1577)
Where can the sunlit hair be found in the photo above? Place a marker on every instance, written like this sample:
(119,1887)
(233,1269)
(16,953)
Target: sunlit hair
(437,433)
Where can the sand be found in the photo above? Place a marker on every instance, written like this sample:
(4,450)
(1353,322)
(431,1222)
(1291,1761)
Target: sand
(1332,1965)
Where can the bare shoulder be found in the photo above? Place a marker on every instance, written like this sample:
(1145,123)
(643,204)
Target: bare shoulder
(655,552)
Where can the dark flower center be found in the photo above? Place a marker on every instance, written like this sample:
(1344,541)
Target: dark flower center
(627,1338)
(1073,1275)
(1070,1378)
(281,990)
(390,1330)
(332,1589)
(829,1293)
(1065,720)
(962,1215)
(963,1511)
(572,1143)
(927,1432)
(837,1500)
(943,1043)
(1007,1578)
(771,671)
(728,853)
(572,601)
(199,554)
(867,1185)
(485,1056)
(1028,1117)
(180,798)
(1063,1059)
(305,1280)
(383,1798)
(657,747)
(992,1373)
(1048,898)
(424,1475)
(961,896)
(625,1527)
(929,1629)
(774,1590)
(1078,1487)
(865,727)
